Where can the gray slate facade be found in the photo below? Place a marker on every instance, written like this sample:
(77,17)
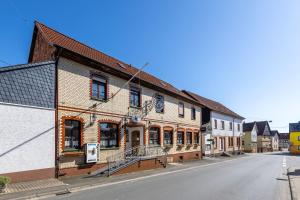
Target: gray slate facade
(29,84)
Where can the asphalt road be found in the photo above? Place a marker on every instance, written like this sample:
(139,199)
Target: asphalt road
(254,177)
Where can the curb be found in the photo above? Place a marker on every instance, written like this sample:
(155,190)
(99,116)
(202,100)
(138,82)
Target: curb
(292,187)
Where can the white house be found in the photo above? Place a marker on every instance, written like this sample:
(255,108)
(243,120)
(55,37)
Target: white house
(27,118)
(223,126)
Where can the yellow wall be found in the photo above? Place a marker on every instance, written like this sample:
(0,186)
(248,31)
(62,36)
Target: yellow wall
(294,142)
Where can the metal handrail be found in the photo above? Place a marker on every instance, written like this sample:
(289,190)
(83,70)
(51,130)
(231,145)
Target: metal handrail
(135,153)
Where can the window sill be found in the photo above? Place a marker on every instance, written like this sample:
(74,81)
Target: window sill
(73,153)
(112,148)
(96,99)
(136,107)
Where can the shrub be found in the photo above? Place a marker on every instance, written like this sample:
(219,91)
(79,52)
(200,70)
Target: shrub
(4,180)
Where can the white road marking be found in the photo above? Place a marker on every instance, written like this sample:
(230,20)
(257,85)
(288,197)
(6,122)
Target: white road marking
(284,162)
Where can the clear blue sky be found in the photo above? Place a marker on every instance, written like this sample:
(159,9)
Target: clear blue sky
(245,54)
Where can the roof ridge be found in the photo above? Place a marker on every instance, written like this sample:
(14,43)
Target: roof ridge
(25,65)
(92,48)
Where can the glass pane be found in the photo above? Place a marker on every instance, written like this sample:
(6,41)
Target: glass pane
(108,135)
(95,89)
(72,134)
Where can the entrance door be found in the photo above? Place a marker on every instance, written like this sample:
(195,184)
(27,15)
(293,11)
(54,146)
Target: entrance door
(135,138)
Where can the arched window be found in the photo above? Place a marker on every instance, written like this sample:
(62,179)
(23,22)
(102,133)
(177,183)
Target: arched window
(168,137)
(72,137)
(109,133)
(154,136)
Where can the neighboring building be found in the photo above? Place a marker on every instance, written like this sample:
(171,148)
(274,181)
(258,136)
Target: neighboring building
(275,140)
(27,115)
(249,139)
(224,127)
(284,141)
(294,138)
(264,140)
(96,105)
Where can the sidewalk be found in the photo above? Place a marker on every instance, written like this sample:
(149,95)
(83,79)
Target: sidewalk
(53,187)
(294,178)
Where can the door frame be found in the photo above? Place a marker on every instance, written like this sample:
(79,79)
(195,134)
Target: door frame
(130,130)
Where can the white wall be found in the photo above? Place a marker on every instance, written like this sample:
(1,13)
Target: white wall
(227,119)
(27,138)
(254,134)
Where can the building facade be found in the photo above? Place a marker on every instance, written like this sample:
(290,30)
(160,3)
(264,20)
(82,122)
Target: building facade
(101,100)
(284,141)
(294,129)
(249,139)
(27,114)
(275,140)
(223,127)
(264,139)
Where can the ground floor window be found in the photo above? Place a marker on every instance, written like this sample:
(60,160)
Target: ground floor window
(154,136)
(188,137)
(168,137)
(230,141)
(109,135)
(196,138)
(180,137)
(72,135)
(238,141)
(298,147)
(215,143)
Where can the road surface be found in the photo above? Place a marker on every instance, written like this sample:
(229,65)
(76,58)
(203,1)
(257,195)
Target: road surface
(254,177)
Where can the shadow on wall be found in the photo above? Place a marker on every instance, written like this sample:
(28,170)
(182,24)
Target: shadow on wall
(25,142)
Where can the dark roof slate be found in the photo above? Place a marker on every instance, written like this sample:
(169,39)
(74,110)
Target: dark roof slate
(28,84)
(248,126)
(284,136)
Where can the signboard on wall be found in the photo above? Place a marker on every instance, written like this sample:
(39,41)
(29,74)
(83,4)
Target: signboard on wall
(91,152)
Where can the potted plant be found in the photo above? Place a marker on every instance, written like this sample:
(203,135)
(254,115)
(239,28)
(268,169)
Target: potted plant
(3,182)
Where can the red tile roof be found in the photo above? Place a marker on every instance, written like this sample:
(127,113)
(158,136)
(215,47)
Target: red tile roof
(56,38)
(213,105)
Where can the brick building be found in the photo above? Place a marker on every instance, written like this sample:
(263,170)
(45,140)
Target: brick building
(96,105)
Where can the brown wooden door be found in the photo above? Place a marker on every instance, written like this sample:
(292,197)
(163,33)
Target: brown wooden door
(135,138)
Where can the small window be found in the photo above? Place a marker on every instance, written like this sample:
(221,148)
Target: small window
(188,137)
(196,138)
(298,138)
(135,97)
(154,136)
(160,104)
(168,137)
(72,135)
(99,88)
(230,125)
(298,147)
(216,123)
(223,125)
(180,137)
(193,113)
(239,127)
(181,109)
(109,135)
